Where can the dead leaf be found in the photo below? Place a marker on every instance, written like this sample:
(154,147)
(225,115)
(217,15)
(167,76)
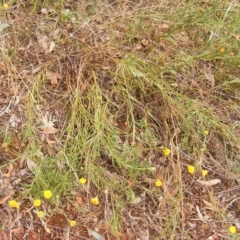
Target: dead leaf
(136,200)
(31,165)
(194,84)
(14,120)
(44,11)
(50,142)
(52,46)
(79,198)
(237,37)
(145,42)
(59,166)
(48,130)
(7,197)
(23,171)
(208,204)
(53,77)
(10,169)
(162,27)
(96,235)
(210,78)
(209,183)
(47,229)
(149,180)
(43,41)
(201,217)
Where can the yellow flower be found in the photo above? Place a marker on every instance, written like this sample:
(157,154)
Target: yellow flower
(95,201)
(222,50)
(5,6)
(166,152)
(232,229)
(204,173)
(152,168)
(82,180)
(191,169)
(40,214)
(47,194)
(37,203)
(158,183)
(206,132)
(72,223)
(13,204)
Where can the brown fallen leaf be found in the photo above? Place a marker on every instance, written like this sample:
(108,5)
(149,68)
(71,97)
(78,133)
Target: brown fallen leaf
(53,77)
(51,47)
(237,37)
(208,204)
(47,229)
(210,182)
(7,197)
(31,165)
(145,42)
(79,198)
(48,130)
(162,26)
(10,169)
(201,217)
(211,79)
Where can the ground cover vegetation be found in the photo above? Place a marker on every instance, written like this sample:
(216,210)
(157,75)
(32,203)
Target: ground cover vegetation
(119,119)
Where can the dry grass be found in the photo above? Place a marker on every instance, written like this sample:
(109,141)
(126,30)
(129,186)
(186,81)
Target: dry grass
(97,90)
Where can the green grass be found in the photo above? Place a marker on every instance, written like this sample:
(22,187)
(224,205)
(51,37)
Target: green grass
(128,88)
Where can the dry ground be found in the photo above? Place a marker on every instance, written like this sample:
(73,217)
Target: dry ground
(99,90)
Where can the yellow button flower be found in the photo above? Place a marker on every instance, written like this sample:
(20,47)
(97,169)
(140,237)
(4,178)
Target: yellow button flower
(95,201)
(206,132)
(72,223)
(166,152)
(191,169)
(82,180)
(13,204)
(222,50)
(158,183)
(47,194)
(152,168)
(232,229)
(5,6)
(37,203)
(40,214)
(204,173)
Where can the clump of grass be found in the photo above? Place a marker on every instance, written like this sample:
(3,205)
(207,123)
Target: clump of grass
(130,85)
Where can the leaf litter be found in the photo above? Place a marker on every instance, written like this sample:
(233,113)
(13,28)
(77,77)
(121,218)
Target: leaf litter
(147,211)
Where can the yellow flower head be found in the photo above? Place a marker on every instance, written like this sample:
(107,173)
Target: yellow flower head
(13,204)
(206,132)
(232,229)
(95,201)
(5,6)
(222,50)
(152,168)
(166,152)
(158,183)
(204,173)
(47,194)
(191,169)
(37,203)
(72,223)
(82,180)
(40,214)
